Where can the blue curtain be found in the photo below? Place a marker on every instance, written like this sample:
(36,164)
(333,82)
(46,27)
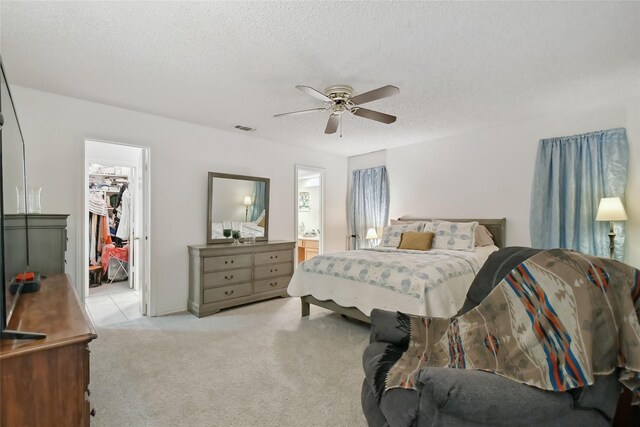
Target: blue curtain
(369,203)
(258,196)
(571,175)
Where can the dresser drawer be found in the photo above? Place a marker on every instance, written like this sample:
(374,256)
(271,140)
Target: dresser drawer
(272,270)
(273,257)
(229,261)
(271,284)
(221,278)
(226,292)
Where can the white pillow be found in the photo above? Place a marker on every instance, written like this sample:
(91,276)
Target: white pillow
(391,234)
(460,236)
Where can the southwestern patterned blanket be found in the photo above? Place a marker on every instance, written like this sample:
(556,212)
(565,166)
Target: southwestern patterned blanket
(553,322)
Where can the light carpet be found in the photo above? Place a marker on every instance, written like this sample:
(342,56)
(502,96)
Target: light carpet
(256,365)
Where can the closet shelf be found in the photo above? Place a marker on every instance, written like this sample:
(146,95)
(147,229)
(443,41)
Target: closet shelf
(106,175)
(104,191)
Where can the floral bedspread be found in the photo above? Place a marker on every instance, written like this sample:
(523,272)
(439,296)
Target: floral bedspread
(408,272)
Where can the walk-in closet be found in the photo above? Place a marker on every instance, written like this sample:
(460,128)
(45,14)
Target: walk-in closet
(109,228)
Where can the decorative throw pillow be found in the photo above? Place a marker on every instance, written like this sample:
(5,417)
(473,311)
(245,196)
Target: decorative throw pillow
(416,240)
(391,233)
(483,236)
(455,235)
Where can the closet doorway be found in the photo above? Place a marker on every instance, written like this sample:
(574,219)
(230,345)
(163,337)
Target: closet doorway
(309,211)
(116,259)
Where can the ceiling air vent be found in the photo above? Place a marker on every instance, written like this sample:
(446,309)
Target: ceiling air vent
(244,128)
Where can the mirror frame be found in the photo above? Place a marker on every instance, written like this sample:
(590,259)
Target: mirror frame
(212,175)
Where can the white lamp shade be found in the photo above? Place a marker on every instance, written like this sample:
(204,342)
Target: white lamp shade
(611,209)
(371,234)
(247,201)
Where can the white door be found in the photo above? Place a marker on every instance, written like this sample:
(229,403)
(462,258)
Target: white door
(141,257)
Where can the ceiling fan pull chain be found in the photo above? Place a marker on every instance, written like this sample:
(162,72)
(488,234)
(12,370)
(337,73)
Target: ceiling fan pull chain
(340,125)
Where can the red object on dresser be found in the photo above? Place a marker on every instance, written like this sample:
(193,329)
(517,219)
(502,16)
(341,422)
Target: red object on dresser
(26,277)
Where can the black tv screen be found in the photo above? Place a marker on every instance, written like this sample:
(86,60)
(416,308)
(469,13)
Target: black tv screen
(14,247)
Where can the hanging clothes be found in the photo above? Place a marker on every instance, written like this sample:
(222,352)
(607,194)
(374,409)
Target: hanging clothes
(92,243)
(99,225)
(124,209)
(97,203)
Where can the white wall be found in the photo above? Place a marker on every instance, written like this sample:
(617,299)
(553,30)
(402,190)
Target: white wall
(55,128)
(488,173)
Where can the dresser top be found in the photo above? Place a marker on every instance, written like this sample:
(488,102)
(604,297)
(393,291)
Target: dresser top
(54,310)
(259,243)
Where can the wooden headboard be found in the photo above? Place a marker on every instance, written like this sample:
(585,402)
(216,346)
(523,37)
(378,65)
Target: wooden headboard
(496,226)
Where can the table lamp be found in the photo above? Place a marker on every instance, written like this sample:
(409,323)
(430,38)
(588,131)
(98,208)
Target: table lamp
(611,209)
(247,203)
(371,234)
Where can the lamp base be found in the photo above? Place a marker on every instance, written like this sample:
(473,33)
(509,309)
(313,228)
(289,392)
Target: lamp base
(612,238)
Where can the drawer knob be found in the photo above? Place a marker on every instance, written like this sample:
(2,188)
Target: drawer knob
(93,412)
(273,269)
(228,292)
(273,284)
(229,278)
(227,262)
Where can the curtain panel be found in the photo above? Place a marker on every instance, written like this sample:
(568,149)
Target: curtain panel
(571,175)
(369,203)
(258,196)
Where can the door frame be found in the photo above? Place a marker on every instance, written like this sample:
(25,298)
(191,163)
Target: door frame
(145,239)
(322,171)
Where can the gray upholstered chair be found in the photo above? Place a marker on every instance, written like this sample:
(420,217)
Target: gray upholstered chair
(455,397)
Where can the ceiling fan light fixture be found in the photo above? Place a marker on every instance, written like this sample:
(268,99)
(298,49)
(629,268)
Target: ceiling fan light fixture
(340,99)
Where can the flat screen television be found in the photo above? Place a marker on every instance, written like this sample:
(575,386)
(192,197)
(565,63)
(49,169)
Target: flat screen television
(14,240)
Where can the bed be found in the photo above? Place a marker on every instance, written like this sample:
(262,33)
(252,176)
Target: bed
(433,282)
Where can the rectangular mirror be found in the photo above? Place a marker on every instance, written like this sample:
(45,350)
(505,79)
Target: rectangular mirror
(240,203)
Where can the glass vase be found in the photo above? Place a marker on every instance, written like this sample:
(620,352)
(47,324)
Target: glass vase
(226,229)
(236,232)
(33,202)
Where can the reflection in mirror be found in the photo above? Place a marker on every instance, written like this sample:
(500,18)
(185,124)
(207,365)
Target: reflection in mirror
(238,207)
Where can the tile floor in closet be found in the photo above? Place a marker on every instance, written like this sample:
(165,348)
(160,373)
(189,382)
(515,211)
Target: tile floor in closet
(112,303)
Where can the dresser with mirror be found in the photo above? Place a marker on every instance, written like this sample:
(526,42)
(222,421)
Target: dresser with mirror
(239,264)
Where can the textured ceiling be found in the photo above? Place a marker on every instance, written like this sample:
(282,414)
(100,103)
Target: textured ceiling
(459,66)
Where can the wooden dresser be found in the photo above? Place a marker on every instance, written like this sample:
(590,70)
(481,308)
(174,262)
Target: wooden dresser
(45,382)
(224,275)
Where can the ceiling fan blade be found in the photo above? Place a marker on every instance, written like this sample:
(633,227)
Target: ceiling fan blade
(332,124)
(373,115)
(313,110)
(372,95)
(311,91)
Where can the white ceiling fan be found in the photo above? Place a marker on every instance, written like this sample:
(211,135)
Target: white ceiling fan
(339,99)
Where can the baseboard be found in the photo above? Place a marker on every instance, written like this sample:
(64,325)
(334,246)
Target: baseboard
(172,311)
